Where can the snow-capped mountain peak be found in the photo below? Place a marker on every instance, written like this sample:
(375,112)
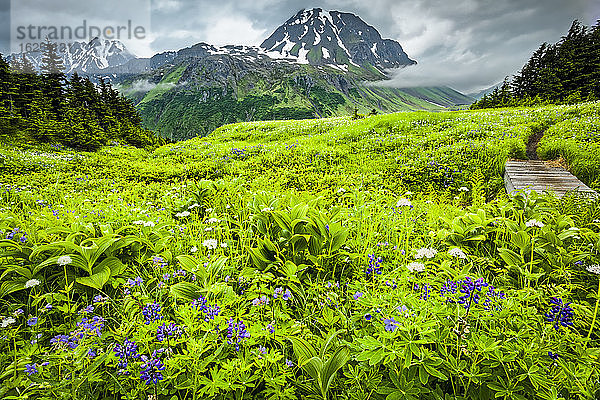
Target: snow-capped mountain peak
(97,54)
(331,37)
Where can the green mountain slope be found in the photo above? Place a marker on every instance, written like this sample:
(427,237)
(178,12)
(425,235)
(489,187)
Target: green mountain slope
(195,96)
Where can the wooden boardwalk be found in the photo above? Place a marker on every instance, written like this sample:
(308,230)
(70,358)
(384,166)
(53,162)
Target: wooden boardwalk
(530,175)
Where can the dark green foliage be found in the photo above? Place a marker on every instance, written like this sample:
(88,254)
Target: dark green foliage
(51,108)
(190,116)
(565,72)
(326,101)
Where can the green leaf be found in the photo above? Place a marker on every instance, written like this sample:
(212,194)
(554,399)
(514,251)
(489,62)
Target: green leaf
(510,257)
(185,290)
(423,375)
(77,261)
(339,238)
(101,275)
(337,361)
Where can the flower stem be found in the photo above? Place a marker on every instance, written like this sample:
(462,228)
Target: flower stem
(595,312)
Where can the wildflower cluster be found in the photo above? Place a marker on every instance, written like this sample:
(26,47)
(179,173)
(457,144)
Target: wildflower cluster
(374,265)
(87,327)
(159,261)
(285,295)
(210,311)
(64,260)
(151,312)
(560,314)
(151,369)
(17,234)
(236,332)
(425,252)
(135,282)
(128,351)
(165,331)
(260,301)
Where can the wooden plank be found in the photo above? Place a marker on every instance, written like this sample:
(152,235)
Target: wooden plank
(528,176)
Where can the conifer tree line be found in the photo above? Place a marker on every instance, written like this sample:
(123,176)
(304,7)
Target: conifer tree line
(565,72)
(71,110)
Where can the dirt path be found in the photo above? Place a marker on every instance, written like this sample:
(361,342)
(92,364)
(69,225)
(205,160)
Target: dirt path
(532,145)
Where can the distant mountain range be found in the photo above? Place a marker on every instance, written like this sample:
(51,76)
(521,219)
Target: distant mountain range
(90,57)
(318,63)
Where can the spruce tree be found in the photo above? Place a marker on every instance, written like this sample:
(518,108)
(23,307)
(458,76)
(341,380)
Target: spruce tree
(53,77)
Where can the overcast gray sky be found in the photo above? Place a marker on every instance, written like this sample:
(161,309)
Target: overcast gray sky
(465,44)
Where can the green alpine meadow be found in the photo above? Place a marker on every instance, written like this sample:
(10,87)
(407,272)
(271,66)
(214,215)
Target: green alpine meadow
(282,223)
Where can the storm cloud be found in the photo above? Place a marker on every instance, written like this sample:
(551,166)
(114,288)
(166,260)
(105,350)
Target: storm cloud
(465,44)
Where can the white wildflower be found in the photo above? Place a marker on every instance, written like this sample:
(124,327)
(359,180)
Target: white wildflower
(458,253)
(8,321)
(341,191)
(149,223)
(210,244)
(193,249)
(209,210)
(267,209)
(224,245)
(533,222)
(463,189)
(212,221)
(416,267)
(64,260)
(594,269)
(208,229)
(425,252)
(31,283)
(138,222)
(228,206)
(195,205)
(404,202)
(182,214)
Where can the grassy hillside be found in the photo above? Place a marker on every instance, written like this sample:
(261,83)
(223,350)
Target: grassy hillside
(328,258)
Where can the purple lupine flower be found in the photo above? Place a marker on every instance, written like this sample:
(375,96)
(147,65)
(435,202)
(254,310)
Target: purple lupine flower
(560,314)
(126,352)
(32,321)
(151,369)
(357,295)
(374,265)
(236,332)
(165,331)
(289,363)
(270,328)
(278,292)
(151,312)
(368,316)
